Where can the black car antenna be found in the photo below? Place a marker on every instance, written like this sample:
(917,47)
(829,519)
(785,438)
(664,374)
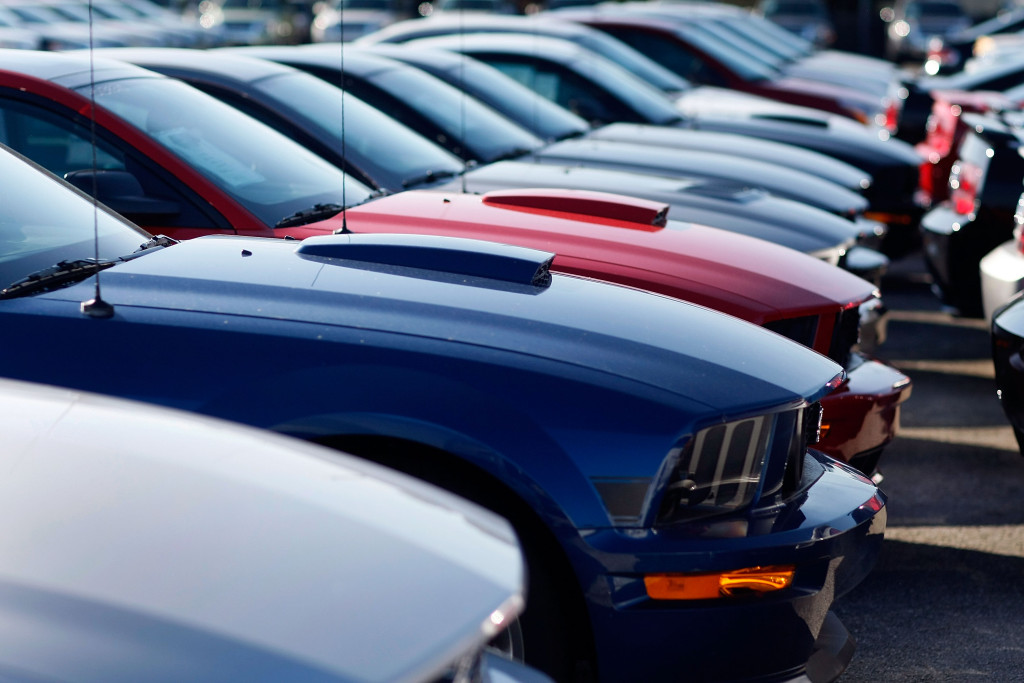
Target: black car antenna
(95,307)
(462,100)
(341,84)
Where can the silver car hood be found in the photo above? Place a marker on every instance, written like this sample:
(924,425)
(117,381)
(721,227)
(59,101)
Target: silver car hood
(144,538)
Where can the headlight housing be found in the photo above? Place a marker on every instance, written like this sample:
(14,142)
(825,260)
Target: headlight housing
(730,466)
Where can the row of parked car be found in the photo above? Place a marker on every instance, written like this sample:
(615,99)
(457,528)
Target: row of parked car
(615,324)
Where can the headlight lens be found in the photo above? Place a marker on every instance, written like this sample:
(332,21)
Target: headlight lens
(727,467)
(719,469)
(832,255)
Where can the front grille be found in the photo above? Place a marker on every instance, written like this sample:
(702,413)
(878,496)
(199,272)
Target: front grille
(801,330)
(845,335)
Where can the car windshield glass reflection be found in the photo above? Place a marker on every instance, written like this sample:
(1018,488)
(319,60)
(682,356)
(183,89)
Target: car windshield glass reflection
(380,146)
(491,135)
(269,174)
(43,224)
(640,96)
(732,58)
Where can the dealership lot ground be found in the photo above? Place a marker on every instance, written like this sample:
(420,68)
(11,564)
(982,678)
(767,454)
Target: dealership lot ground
(946,600)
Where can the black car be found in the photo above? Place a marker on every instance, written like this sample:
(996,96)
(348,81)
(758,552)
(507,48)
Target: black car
(548,120)
(985,185)
(999,77)
(1008,359)
(602,93)
(947,54)
(448,117)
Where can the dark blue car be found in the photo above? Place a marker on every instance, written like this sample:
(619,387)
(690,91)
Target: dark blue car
(653,456)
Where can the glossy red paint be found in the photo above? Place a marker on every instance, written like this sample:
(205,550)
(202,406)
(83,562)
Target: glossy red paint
(945,130)
(743,276)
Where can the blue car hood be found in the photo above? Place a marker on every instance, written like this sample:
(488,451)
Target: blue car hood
(260,285)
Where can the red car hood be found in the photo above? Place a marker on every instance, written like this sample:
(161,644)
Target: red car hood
(743,276)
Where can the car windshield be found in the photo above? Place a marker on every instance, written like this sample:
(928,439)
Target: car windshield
(639,95)
(513,99)
(37,15)
(382,5)
(384,149)
(273,179)
(633,61)
(490,135)
(744,66)
(44,222)
(251,4)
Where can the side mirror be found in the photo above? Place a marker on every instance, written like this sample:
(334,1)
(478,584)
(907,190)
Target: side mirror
(122,192)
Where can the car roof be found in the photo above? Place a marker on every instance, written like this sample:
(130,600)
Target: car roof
(235,66)
(71,69)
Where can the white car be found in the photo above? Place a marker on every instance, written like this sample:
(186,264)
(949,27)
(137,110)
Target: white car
(139,543)
(1002,269)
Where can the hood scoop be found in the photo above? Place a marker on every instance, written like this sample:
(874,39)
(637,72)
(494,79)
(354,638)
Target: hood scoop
(800,120)
(584,203)
(728,191)
(454,255)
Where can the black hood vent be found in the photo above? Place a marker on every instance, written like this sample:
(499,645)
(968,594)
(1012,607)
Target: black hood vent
(475,258)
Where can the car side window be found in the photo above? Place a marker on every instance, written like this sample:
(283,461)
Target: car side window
(63,145)
(669,54)
(45,139)
(565,88)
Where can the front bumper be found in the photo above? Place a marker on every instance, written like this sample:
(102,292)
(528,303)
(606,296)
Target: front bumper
(1007,359)
(953,246)
(862,416)
(1002,276)
(831,533)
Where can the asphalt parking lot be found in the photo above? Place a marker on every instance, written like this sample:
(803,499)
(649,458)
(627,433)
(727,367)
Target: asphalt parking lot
(946,599)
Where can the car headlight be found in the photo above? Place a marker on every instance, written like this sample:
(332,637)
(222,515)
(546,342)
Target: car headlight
(726,467)
(832,255)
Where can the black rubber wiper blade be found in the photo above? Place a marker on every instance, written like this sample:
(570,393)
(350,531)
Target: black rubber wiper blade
(154,242)
(428,177)
(512,154)
(55,277)
(316,213)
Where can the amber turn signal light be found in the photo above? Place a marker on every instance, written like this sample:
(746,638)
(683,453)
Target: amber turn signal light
(707,586)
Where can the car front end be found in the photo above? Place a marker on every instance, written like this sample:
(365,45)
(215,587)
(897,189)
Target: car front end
(628,451)
(152,570)
(1002,269)
(977,217)
(1007,330)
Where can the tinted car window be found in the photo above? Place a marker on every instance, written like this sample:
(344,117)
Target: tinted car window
(273,179)
(392,155)
(493,135)
(669,53)
(567,89)
(64,145)
(40,226)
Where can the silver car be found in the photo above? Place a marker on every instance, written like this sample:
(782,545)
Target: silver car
(140,543)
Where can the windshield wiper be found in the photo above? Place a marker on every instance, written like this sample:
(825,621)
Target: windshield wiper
(154,242)
(316,213)
(515,153)
(427,177)
(60,275)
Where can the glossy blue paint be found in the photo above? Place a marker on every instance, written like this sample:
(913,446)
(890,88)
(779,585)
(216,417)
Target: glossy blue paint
(564,393)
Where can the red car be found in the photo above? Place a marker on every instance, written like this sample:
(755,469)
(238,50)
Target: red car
(683,50)
(626,241)
(201,173)
(945,130)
